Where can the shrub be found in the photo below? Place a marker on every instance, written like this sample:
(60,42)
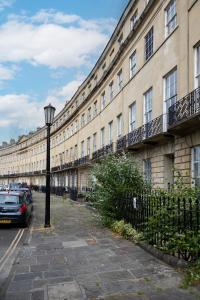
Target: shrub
(126,230)
(112,178)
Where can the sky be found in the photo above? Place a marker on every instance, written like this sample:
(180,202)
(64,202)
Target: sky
(47,49)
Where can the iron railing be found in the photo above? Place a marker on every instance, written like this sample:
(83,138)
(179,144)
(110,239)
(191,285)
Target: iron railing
(122,143)
(179,215)
(185,108)
(103,151)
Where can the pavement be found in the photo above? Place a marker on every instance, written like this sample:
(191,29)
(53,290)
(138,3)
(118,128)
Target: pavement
(77,259)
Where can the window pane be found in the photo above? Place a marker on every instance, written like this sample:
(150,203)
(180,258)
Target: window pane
(149,44)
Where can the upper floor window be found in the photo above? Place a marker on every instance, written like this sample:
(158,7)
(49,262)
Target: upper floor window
(88,146)
(148,106)
(76,125)
(132,117)
(83,120)
(75,151)
(134,19)
(170,17)
(95,141)
(119,125)
(95,80)
(83,96)
(133,64)
(120,39)
(82,149)
(197,67)
(95,109)
(110,129)
(170,89)
(89,114)
(102,136)
(103,100)
(111,90)
(149,44)
(120,80)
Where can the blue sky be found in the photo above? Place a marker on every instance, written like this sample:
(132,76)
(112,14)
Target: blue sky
(47,49)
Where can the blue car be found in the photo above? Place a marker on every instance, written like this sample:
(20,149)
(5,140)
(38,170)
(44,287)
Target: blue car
(15,208)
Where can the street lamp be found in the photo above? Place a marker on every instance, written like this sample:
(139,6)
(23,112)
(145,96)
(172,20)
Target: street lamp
(49,112)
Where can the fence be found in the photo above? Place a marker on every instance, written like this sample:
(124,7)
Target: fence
(165,221)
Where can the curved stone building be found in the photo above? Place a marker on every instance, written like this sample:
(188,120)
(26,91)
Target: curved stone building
(142,96)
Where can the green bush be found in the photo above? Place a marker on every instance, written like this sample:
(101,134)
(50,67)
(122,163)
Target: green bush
(112,178)
(126,230)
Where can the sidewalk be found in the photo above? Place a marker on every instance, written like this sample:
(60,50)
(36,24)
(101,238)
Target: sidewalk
(79,259)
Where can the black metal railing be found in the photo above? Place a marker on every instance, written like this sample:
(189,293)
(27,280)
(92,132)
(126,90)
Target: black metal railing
(154,127)
(103,151)
(179,215)
(185,108)
(135,136)
(121,143)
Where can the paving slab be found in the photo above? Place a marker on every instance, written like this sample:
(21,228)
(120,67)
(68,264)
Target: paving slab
(77,259)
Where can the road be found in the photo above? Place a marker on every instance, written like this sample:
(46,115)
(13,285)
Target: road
(10,240)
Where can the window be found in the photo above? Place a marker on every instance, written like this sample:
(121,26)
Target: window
(197,67)
(132,117)
(149,44)
(170,89)
(111,90)
(71,153)
(147,170)
(120,39)
(119,125)
(94,141)
(95,108)
(72,129)
(76,125)
(103,101)
(134,19)
(170,17)
(88,146)
(82,149)
(196,165)
(83,120)
(110,129)
(102,137)
(120,80)
(133,64)
(75,151)
(89,114)
(95,80)
(83,96)
(148,106)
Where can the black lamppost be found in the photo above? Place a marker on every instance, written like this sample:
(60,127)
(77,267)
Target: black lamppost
(49,111)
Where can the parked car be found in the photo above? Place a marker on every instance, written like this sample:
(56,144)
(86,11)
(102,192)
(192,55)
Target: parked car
(25,190)
(15,208)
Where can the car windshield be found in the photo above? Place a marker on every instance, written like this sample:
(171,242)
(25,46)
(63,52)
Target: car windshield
(9,199)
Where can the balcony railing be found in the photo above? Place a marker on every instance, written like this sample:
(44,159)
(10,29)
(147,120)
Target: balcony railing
(103,151)
(122,143)
(185,108)
(147,131)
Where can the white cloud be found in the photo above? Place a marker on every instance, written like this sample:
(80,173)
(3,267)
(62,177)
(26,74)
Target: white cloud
(7,73)
(5,4)
(53,16)
(20,111)
(50,43)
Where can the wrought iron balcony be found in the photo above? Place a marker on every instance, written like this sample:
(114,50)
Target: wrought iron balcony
(150,132)
(103,151)
(185,112)
(122,143)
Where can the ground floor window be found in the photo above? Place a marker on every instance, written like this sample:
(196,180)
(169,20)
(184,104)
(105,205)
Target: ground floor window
(196,165)
(147,170)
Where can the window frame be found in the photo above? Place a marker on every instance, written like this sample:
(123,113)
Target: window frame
(130,117)
(196,63)
(149,111)
(133,67)
(149,44)
(168,29)
(119,126)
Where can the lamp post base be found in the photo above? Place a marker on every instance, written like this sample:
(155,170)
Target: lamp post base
(47,225)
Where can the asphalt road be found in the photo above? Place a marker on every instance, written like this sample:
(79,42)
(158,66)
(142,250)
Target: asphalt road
(7,235)
(10,240)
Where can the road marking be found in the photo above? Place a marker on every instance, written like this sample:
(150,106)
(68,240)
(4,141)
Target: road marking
(11,249)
